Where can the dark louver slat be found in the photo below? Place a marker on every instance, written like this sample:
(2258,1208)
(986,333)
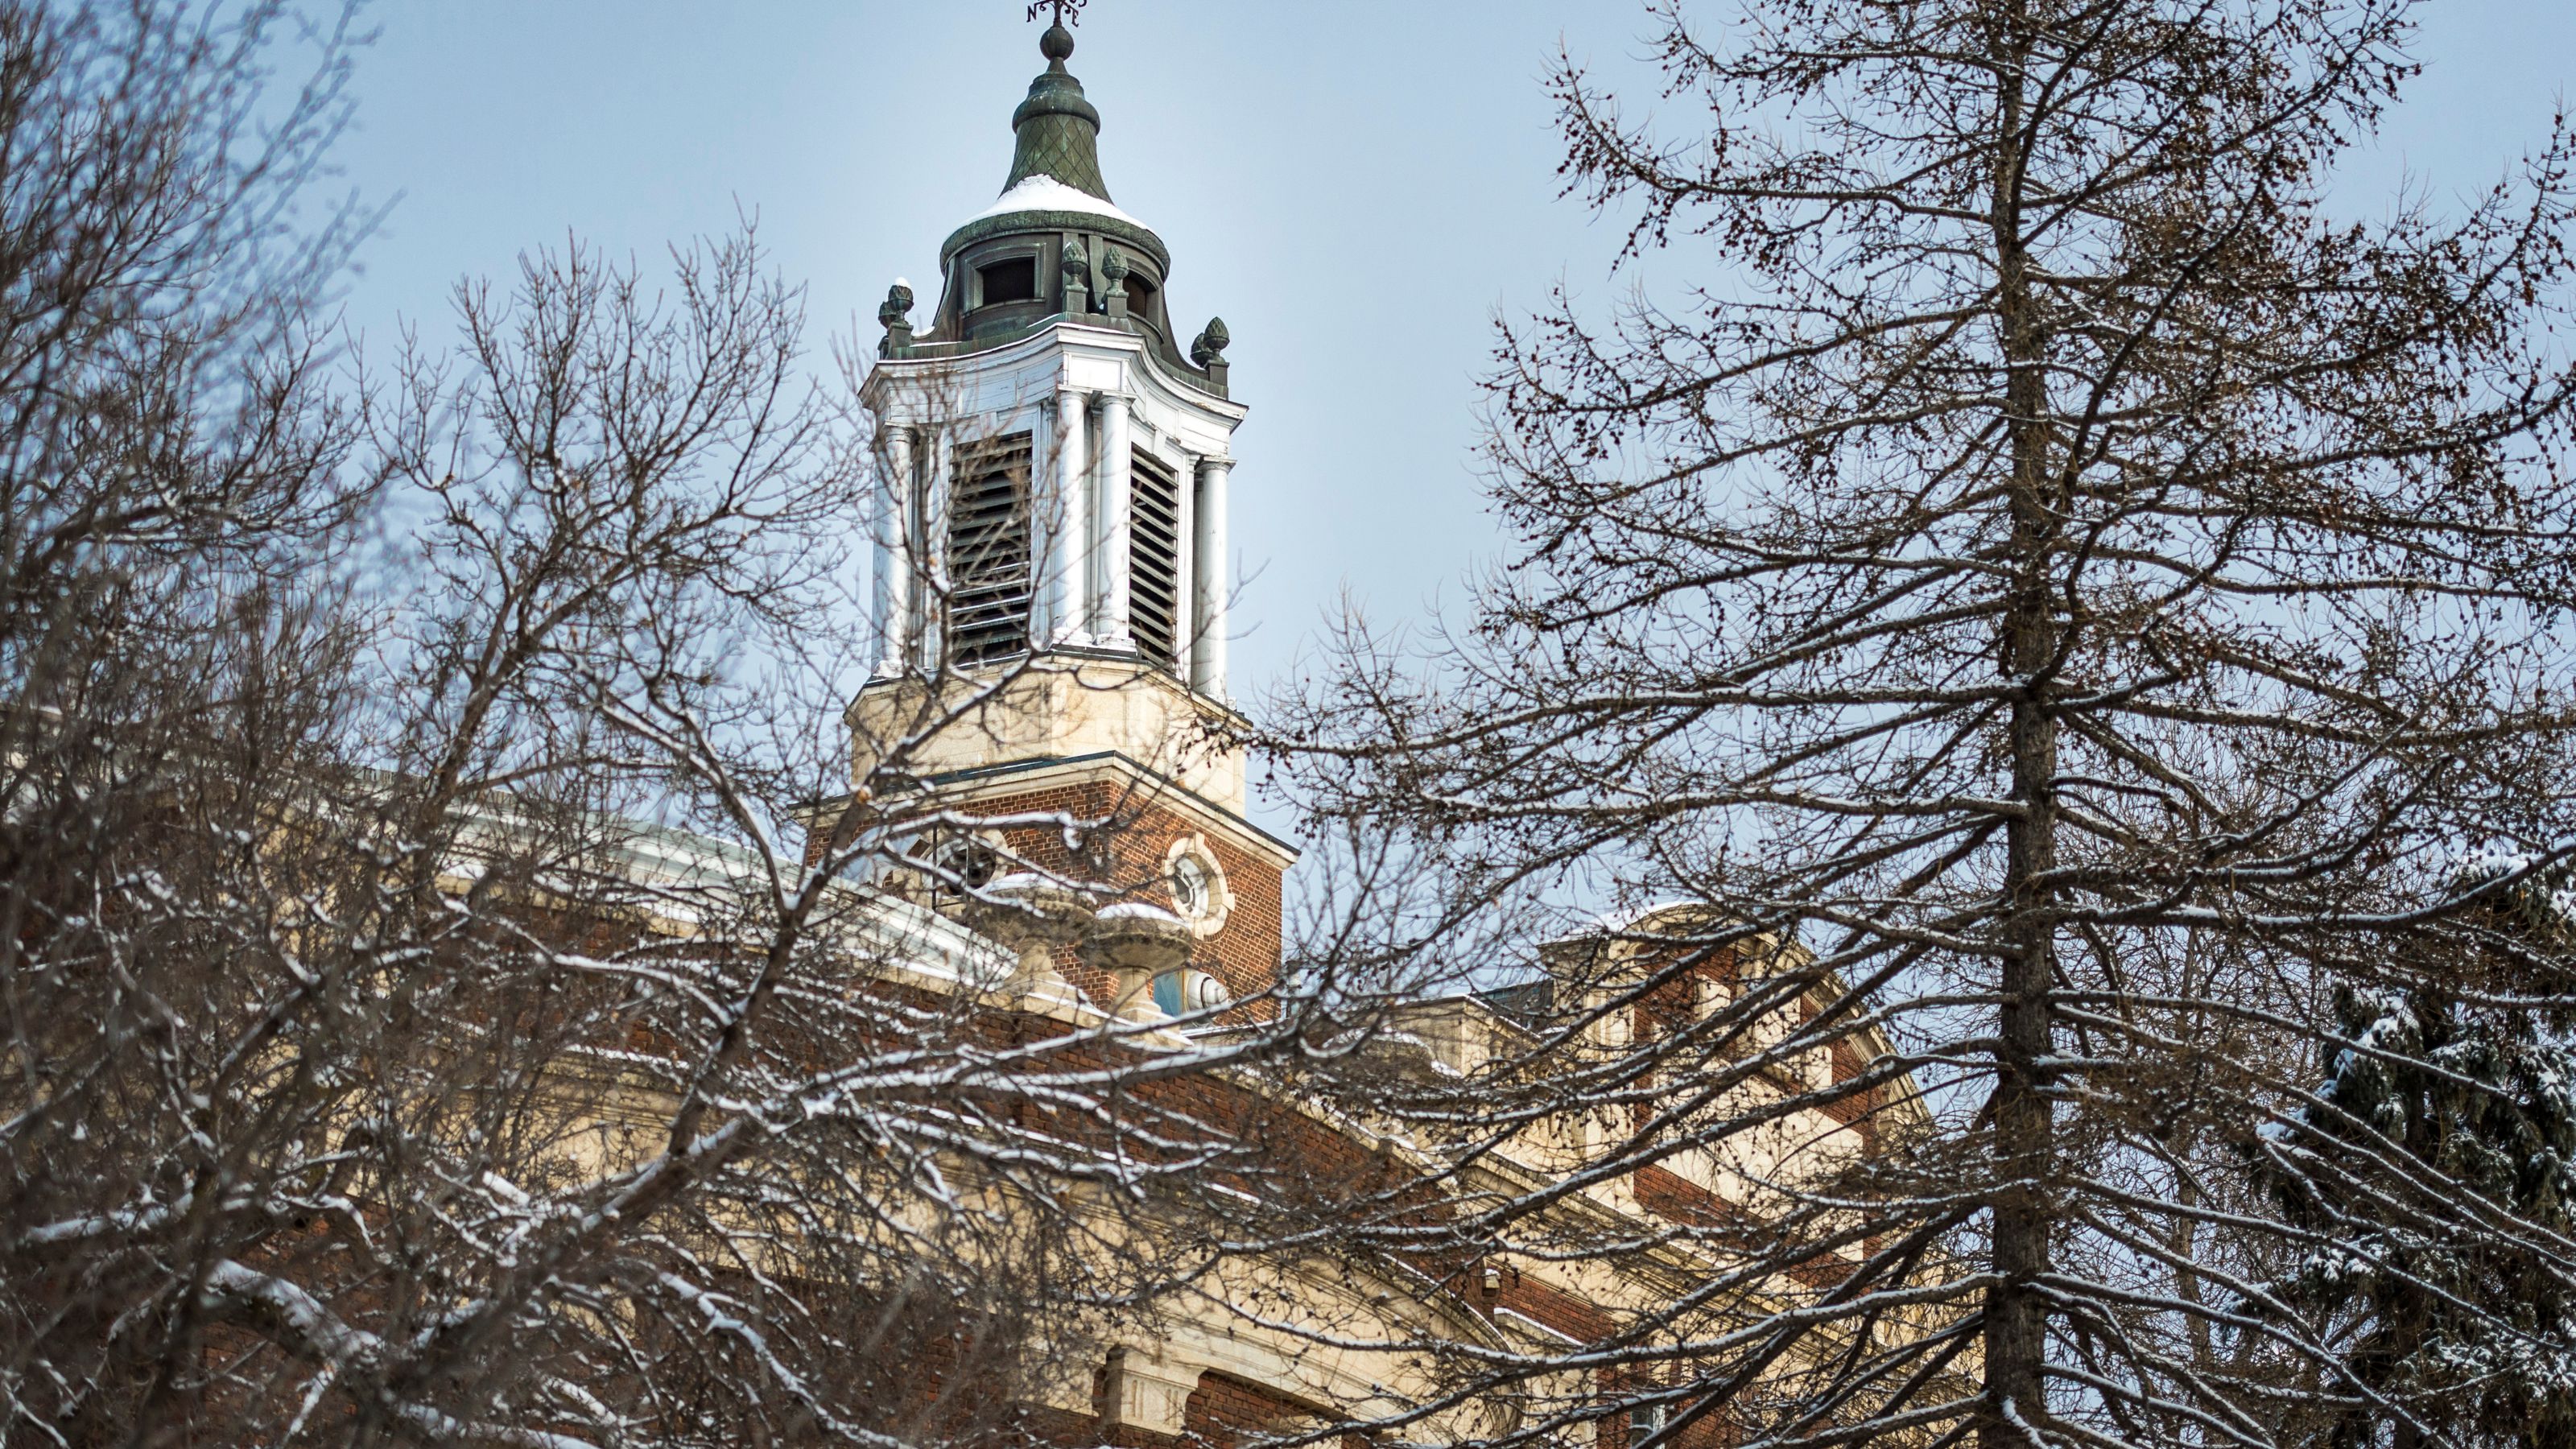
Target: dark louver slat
(1154,561)
(988,550)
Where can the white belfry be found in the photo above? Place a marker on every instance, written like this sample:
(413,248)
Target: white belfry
(1053,457)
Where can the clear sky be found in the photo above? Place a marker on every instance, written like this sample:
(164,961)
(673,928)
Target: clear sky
(1357,188)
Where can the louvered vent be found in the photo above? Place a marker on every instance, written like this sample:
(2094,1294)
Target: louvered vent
(1154,561)
(988,550)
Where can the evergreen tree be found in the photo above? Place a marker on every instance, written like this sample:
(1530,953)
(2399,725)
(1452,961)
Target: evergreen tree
(2439,1116)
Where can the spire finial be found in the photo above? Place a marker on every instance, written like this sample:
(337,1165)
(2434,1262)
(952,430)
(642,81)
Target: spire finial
(1059,131)
(1057,44)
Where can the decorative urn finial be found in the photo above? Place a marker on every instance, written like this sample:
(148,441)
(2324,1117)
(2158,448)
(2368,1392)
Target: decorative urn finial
(1212,342)
(895,315)
(1077,277)
(1209,351)
(1113,269)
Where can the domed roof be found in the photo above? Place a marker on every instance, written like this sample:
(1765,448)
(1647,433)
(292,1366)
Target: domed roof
(1058,130)
(1055,181)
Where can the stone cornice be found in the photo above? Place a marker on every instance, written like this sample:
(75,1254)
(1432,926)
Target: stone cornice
(1070,334)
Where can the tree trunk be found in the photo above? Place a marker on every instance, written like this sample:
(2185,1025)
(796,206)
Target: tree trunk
(2016,1331)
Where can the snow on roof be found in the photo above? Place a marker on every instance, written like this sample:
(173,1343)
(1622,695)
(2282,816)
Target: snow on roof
(1621,922)
(1139,911)
(1615,922)
(1045,193)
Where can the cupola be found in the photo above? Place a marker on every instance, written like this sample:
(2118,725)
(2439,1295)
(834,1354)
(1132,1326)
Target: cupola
(1055,244)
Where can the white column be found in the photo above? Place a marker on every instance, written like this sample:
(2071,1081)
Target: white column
(892,560)
(1069,580)
(932,582)
(1211,579)
(1044,546)
(1185,545)
(1116,494)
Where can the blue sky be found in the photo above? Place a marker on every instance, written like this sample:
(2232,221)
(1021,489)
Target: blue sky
(1357,188)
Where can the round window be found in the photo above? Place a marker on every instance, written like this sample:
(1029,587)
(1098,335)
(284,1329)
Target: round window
(1197,886)
(1191,888)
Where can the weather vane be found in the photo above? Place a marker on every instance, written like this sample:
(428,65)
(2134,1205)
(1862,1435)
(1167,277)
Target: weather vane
(1067,12)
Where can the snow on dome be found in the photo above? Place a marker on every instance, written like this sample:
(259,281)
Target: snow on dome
(1140,911)
(1045,193)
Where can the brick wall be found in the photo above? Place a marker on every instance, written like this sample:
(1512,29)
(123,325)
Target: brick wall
(1125,848)
(1225,1411)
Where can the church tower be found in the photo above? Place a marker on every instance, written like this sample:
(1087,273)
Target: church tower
(1052,580)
